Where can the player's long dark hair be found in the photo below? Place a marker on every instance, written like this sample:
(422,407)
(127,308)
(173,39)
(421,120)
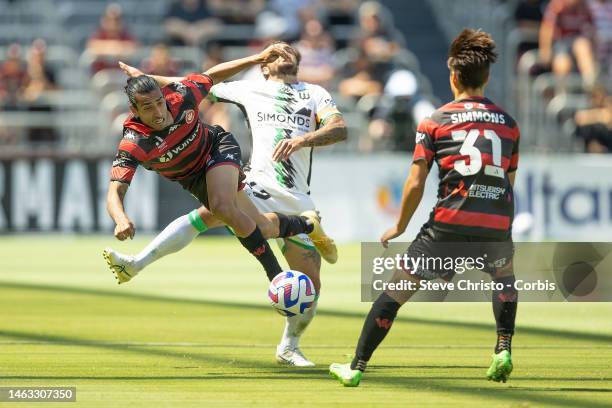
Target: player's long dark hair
(139,85)
(470,55)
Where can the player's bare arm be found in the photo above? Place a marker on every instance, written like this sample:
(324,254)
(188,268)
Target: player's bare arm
(114,205)
(219,72)
(411,197)
(511,178)
(333,131)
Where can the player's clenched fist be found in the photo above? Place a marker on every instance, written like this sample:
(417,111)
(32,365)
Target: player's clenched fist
(124,230)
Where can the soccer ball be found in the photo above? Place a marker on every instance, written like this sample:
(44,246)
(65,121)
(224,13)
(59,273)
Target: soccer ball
(291,293)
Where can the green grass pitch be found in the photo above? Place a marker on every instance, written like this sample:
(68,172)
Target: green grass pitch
(195,330)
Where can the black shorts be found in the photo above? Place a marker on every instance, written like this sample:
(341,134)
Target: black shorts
(445,254)
(225,151)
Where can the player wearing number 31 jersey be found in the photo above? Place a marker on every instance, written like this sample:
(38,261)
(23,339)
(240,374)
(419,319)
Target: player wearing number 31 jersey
(475,145)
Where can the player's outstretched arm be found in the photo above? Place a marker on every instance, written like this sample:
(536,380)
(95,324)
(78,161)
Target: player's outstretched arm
(114,205)
(411,197)
(221,72)
(333,131)
(133,72)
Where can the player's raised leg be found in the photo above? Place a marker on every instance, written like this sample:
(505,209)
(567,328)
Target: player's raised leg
(302,256)
(274,224)
(505,303)
(377,324)
(177,235)
(180,232)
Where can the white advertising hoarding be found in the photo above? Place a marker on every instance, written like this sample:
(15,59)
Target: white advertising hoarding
(569,197)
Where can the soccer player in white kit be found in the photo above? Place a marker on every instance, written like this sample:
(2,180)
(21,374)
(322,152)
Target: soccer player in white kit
(287,118)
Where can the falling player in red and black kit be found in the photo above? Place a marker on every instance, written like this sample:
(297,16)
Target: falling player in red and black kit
(165,134)
(475,145)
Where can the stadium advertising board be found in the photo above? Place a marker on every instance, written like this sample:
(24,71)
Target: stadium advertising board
(69,195)
(569,198)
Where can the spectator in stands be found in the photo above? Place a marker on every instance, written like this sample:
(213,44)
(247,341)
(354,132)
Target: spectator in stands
(13,79)
(397,114)
(112,41)
(191,23)
(41,79)
(528,17)
(361,78)
(237,11)
(602,14)
(376,35)
(594,125)
(160,62)
(317,49)
(566,31)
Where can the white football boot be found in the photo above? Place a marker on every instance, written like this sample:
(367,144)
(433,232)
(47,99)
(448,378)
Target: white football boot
(122,266)
(292,357)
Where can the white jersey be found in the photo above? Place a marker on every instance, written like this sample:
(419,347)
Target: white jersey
(277,111)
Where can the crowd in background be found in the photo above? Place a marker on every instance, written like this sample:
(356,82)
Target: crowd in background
(574,36)
(355,68)
(368,70)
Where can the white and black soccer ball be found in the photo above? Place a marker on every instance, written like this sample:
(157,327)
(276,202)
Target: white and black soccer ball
(291,293)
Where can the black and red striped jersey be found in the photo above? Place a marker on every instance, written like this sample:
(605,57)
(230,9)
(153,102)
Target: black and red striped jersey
(176,152)
(475,145)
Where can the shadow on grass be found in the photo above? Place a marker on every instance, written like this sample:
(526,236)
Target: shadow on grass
(495,391)
(546,332)
(269,371)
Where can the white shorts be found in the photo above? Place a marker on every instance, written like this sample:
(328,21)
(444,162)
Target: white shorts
(269,198)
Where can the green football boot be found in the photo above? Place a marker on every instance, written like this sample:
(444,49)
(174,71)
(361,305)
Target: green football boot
(344,374)
(501,367)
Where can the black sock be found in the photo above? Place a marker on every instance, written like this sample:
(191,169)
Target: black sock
(258,246)
(375,328)
(289,225)
(505,303)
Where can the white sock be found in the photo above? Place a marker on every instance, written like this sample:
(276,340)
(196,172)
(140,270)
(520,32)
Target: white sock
(295,327)
(176,236)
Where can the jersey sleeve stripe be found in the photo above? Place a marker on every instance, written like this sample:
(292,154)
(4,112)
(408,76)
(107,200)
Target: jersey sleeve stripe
(471,219)
(133,150)
(122,174)
(428,126)
(327,113)
(513,162)
(420,152)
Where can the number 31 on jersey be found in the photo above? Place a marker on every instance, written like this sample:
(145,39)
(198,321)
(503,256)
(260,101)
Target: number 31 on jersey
(469,149)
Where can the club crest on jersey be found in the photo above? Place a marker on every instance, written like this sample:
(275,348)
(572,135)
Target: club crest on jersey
(304,95)
(189,115)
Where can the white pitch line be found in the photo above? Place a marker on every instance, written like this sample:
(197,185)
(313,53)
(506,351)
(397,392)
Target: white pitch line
(313,346)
